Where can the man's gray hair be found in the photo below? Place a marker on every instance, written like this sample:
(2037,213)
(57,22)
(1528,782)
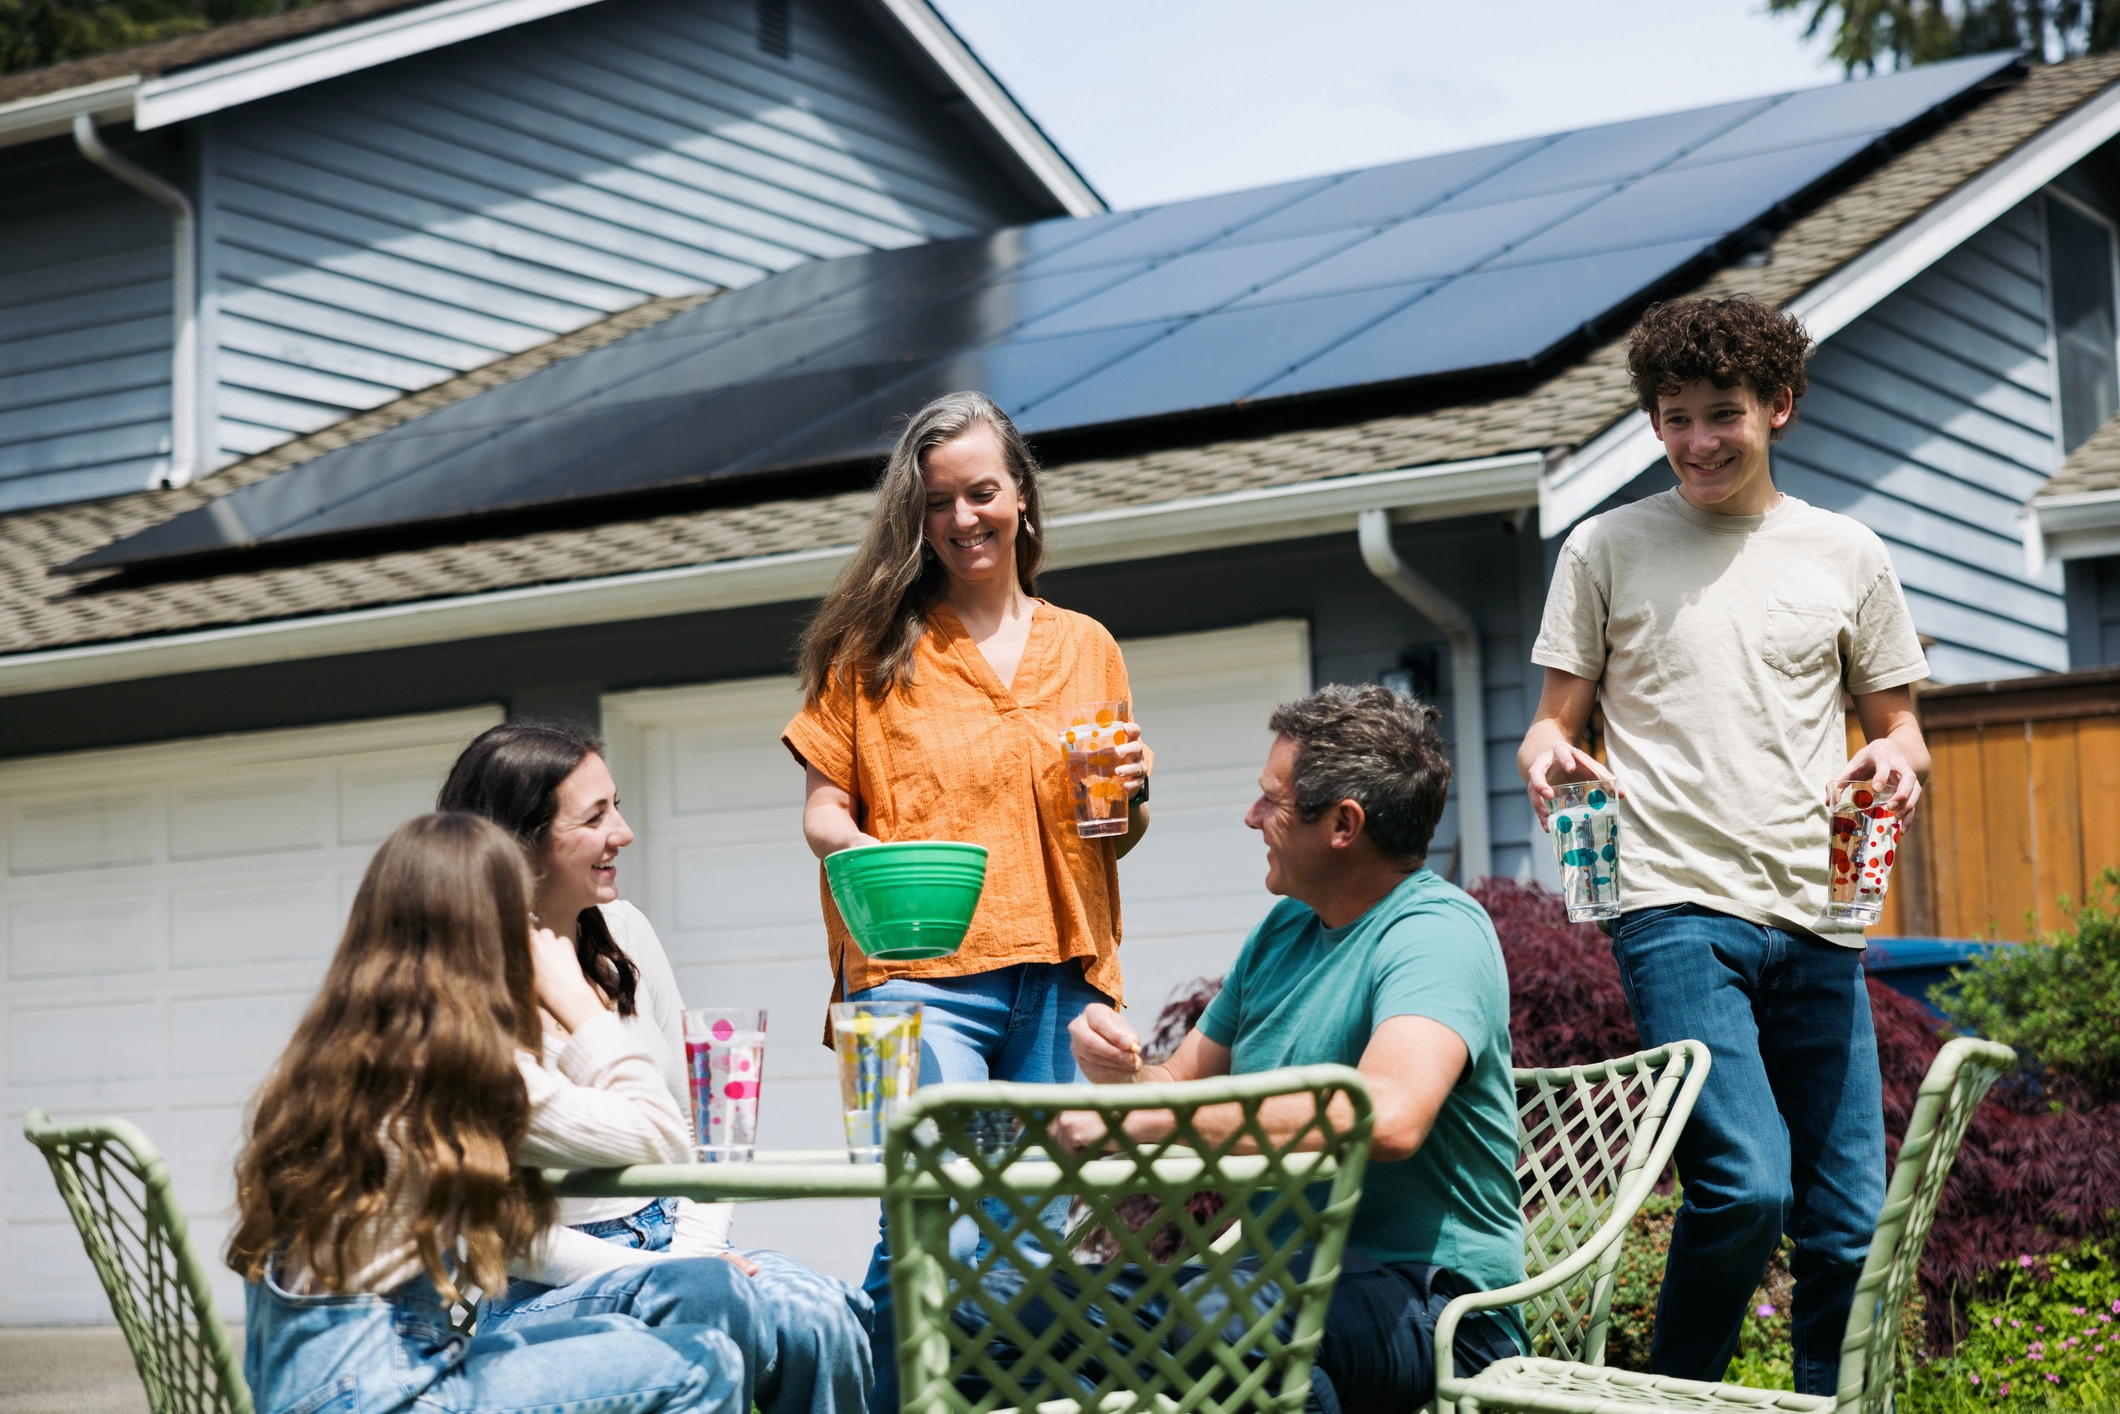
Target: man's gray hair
(1373,746)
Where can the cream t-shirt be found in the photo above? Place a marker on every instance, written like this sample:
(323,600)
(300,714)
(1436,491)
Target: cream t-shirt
(1720,646)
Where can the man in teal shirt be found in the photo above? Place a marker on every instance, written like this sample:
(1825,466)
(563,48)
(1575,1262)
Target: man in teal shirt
(1373,961)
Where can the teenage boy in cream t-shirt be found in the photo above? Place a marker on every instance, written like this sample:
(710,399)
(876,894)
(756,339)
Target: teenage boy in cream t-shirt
(1717,625)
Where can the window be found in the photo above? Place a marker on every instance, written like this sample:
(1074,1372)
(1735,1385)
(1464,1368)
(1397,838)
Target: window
(773,27)
(2086,340)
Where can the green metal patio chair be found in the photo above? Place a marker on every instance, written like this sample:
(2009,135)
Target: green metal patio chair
(118,1190)
(1203,1328)
(1592,1140)
(1961,1074)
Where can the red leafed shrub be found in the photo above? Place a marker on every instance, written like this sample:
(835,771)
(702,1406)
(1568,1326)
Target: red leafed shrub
(1565,1002)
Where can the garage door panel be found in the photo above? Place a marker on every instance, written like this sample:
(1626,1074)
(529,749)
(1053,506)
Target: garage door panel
(759,944)
(105,1044)
(381,790)
(56,833)
(278,921)
(256,813)
(772,879)
(170,910)
(86,937)
(237,1036)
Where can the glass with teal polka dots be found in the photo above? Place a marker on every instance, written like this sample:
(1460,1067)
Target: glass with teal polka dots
(879,1068)
(1586,837)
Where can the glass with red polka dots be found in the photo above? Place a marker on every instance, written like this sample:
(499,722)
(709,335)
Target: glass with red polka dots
(1091,734)
(725,1055)
(1864,843)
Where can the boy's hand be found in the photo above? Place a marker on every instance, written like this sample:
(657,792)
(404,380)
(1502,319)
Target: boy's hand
(1886,763)
(1105,1046)
(1559,764)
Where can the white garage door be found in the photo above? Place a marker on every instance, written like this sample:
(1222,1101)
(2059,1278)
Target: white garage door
(721,869)
(168,912)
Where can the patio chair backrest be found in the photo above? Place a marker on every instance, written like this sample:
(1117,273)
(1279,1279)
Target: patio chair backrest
(1589,1138)
(118,1190)
(1943,1107)
(1215,1331)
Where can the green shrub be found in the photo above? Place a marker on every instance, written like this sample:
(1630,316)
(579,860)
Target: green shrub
(2054,1000)
(1762,1359)
(2052,1341)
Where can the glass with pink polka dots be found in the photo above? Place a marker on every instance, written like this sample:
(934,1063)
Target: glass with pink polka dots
(725,1055)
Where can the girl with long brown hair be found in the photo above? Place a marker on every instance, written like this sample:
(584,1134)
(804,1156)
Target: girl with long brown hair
(934,678)
(388,1164)
(805,1334)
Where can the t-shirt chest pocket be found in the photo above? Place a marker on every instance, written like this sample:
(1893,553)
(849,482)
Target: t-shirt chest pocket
(1802,639)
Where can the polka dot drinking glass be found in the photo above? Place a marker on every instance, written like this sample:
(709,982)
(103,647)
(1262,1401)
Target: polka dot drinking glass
(1585,824)
(1864,841)
(1091,734)
(878,1044)
(725,1054)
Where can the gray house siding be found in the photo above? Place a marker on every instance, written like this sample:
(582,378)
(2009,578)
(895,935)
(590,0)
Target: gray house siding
(85,327)
(373,235)
(1930,419)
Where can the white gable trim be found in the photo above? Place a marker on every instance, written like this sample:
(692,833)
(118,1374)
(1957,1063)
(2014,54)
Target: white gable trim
(1629,447)
(2078,527)
(1255,516)
(193,93)
(984,92)
(51,114)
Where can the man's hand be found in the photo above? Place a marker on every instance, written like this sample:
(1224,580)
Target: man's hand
(1077,1130)
(1886,764)
(1549,756)
(1105,1046)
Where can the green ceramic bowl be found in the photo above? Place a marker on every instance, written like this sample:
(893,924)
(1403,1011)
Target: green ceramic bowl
(910,900)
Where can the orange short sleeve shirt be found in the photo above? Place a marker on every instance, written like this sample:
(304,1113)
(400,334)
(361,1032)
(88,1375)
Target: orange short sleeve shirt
(959,755)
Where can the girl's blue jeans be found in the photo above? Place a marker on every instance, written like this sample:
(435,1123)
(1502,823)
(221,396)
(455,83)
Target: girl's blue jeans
(382,1354)
(1008,1024)
(804,1336)
(1788,1134)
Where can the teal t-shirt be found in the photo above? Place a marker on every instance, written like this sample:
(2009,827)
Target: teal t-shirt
(1301,994)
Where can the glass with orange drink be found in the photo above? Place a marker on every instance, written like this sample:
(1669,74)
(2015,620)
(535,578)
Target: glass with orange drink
(1091,734)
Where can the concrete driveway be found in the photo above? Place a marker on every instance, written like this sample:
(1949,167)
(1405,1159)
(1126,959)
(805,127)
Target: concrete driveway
(68,1370)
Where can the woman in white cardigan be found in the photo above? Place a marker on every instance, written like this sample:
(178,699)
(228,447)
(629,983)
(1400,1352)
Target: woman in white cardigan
(549,787)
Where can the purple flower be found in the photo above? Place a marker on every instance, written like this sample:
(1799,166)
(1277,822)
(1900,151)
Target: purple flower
(2052,1378)
(1764,1309)
(2025,1260)
(2005,1387)
(1974,1378)
(1998,1323)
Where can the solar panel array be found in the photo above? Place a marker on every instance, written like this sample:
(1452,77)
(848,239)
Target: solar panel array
(1468,261)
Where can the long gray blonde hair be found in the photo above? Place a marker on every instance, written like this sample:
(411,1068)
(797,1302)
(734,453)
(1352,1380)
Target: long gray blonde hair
(873,620)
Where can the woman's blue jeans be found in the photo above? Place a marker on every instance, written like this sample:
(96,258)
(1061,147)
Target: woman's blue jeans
(382,1354)
(804,1336)
(1788,1134)
(1008,1024)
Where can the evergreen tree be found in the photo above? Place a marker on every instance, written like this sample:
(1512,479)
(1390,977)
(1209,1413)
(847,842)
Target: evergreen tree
(34,33)
(1895,34)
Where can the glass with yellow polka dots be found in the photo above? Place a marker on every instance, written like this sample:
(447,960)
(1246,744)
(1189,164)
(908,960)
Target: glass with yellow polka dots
(1091,734)
(1585,827)
(878,1044)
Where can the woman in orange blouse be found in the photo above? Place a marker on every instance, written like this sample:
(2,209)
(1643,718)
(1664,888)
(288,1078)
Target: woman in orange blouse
(934,679)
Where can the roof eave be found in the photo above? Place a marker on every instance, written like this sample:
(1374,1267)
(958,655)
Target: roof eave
(2071,527)
(1605,464)
(52,114)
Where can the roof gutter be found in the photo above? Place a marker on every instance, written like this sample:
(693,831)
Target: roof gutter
(2074,527)
(184,333)
(1253,516)
(1468,691)
(53,114)
(1623,451)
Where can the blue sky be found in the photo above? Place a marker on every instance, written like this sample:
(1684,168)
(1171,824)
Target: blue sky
(1158,100)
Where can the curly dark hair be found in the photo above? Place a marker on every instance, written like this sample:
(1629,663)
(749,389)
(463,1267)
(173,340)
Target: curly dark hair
(1374,746)
(1726,341)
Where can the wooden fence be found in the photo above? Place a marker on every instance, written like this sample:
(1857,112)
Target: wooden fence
(2022,809)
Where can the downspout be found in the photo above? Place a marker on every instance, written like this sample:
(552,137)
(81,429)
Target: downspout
(1475,841)
(184,362)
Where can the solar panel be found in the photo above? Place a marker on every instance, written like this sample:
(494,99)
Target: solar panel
(1469,261)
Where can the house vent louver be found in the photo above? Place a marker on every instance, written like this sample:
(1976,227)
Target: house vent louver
(773,27)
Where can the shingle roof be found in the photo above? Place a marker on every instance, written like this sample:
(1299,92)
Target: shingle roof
(220,42)
(2094,466)
(40,611)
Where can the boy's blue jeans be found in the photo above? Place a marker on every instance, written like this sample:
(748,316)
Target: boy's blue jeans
(1788,1134)
(1008,1024)
(803,1335)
